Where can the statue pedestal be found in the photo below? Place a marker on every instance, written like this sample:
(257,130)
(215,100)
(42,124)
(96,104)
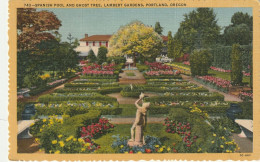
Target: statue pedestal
(138,137)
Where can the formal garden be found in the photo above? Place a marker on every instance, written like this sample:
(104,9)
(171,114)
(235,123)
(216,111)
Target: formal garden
(88,105)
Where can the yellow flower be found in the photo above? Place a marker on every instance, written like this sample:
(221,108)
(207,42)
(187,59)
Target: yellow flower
(50,151)
(212,141)
(83,149)
(36,139)
(214,134)
(221,146)
(40,130)
(227,150)
(199,149)
(81,140)
(32,124)
(126,152)
(225,128)
(168,149)
(44,120)
(54,142)
(87,144)
(156,146)
(139,152)
(121,146)
(160,150)
(57,152)
(61,144)
(74,139)
(59,136)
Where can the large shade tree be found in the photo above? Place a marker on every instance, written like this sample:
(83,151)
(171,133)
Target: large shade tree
(199,29)
(135,39)
(35,26)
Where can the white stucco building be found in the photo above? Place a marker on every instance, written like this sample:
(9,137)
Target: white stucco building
(92,42)
(95,41)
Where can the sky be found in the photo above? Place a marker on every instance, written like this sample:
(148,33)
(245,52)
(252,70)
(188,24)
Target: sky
(102,21)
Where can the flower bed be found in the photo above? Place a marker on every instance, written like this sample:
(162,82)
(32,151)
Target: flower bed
(132,91)
(192,88)
(150,81)
(77,107)
(74,96)
(94,80)
(91,84)
(102,90)
(190,96)
(62,135)
(155,66)
(214,82)
(198,135)
(246,96)
(169,84)
(181,69)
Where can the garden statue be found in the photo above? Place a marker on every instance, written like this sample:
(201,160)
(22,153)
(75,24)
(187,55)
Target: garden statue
(137,138)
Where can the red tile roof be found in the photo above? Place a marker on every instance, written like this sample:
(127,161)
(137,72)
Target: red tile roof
(97,38)
(107,37)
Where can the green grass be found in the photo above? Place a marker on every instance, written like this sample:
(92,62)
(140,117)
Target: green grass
(218,74)
(130,74)
(157,130)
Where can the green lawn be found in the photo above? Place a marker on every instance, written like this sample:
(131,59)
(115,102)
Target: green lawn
(156,130)
(130,74)
(217,73)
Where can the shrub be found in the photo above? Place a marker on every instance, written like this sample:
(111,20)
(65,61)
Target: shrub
(91,84)
(236,65)
(163,77)
(102,55)
(190,96)
(117,60)
(142,67)
(175,89)
(91,56)
(200,61)
(132,91)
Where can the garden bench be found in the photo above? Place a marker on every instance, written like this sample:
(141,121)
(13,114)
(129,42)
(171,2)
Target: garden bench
(246,127)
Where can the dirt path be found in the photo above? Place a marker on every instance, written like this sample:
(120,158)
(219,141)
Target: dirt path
(228,97)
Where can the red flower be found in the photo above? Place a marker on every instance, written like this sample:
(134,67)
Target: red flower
(131,151)
(148,150)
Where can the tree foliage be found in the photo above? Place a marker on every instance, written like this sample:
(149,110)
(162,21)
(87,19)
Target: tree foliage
(157,28)
(242,18)
(91,56)
(135,39)
(170,47)
(200,61)
(35,26)
(236,65)
(102,55)
(199,28)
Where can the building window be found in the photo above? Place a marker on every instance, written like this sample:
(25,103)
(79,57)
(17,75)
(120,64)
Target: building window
(106,43)
(100,43)
(93,43)
(87,43)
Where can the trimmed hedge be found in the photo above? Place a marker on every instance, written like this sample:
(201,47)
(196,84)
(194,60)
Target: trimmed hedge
(214,97)
(104,90)
(159,84)
(163,77)
(165,80)
(48,98)
(161,90)
(142,67)
(94,80)
(130,94)
(72,111)
(91,85)
(99,77)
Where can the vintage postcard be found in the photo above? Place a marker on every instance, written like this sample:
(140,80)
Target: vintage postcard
(134,80)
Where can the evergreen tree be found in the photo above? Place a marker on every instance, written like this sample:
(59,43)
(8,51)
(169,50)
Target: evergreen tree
(91,56)
(102,55)
(236,65)
(157,28)
(170,46)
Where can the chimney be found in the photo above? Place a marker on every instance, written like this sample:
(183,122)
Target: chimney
(86,35)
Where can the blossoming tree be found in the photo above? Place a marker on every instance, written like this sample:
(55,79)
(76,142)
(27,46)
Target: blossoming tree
(135,39)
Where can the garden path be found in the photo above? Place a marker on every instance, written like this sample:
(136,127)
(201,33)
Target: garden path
(131,120)
(138,77)
(228,97)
